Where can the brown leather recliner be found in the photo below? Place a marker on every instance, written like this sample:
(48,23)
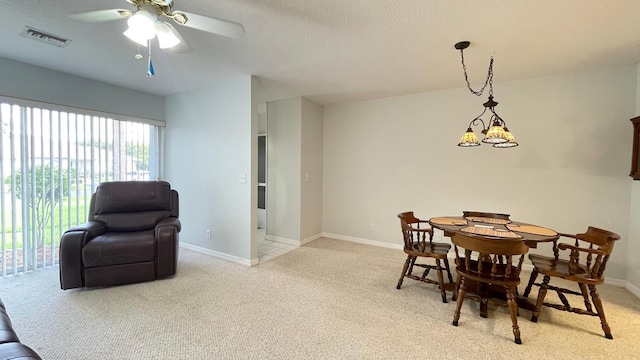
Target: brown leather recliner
(131,236)
(10,346)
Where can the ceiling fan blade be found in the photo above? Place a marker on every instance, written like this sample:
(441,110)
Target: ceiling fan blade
(100,15)
(213,25)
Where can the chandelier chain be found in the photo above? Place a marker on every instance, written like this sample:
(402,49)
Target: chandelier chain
(488,81)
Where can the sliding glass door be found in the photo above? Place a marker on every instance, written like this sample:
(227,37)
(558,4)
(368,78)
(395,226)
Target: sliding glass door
(53,158)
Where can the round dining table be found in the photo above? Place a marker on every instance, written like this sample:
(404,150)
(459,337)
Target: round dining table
(494,228)
(498,229)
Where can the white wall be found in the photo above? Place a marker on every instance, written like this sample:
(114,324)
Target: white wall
(633,271)
(35,83)
(311,171)
(385,156)
(211,140)
(283,168)
(294,186)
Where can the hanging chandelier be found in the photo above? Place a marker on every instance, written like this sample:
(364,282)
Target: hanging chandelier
(495,130)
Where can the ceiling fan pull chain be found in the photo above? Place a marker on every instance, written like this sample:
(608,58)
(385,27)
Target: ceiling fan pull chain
(138,56)
(150,71)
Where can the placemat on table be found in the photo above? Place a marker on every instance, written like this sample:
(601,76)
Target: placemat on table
(487,231)
(488,220)
(448,221)
(532,229)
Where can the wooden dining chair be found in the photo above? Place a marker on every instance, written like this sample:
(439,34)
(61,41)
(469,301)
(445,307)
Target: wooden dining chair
(418,243)
(585,266)
(492,262)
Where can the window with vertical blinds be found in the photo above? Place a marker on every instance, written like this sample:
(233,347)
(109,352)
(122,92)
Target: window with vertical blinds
(53,158)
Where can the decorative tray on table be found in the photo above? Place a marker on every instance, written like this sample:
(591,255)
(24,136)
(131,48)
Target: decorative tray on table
(532,229)
(448,221)
(488,220)
(490,231)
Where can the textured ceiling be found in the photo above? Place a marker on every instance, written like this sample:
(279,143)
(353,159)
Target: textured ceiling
(337,50)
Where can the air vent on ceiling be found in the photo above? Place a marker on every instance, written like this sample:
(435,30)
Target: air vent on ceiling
(44,37)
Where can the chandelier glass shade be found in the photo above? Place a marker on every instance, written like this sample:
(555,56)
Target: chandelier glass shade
(495,132)
(469,138)
(495,135)
(511,141)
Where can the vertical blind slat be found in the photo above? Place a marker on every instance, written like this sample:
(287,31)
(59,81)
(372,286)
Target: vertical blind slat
(78,169)
(14,215)
(3,237)
(31,204)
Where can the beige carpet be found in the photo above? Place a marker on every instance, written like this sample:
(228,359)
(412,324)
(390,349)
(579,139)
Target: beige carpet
(327,300)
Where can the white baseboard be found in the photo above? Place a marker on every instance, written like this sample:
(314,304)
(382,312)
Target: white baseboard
(632,289)
(363,241)
(231,258)
(294,242)
(282,240)
(310,239)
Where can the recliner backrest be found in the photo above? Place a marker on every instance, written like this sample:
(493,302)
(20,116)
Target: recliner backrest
(133,205)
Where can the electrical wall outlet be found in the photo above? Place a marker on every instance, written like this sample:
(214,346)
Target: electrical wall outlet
(207,234)
(372,227)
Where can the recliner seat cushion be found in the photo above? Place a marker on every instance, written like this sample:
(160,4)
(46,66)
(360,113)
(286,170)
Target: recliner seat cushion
(119,248)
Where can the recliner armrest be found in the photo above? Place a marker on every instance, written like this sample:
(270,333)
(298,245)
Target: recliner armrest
(170,221)
(167,248)
(71,244)
(94,228)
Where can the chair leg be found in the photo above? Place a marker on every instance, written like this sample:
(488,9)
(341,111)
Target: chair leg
(461,291)
(456,287)
(483,292)
(413,261)
(513,311)
(541,294)
(585,295)
(441,281)
(446,265)
(598,304)
(532,279)
(404,271)
(426,272)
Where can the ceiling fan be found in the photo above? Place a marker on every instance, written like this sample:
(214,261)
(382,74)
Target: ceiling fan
(147,22)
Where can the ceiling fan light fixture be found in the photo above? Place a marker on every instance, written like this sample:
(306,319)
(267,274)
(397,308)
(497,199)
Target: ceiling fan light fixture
(166,35)
(141,26)
(136,37)
(150,19)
